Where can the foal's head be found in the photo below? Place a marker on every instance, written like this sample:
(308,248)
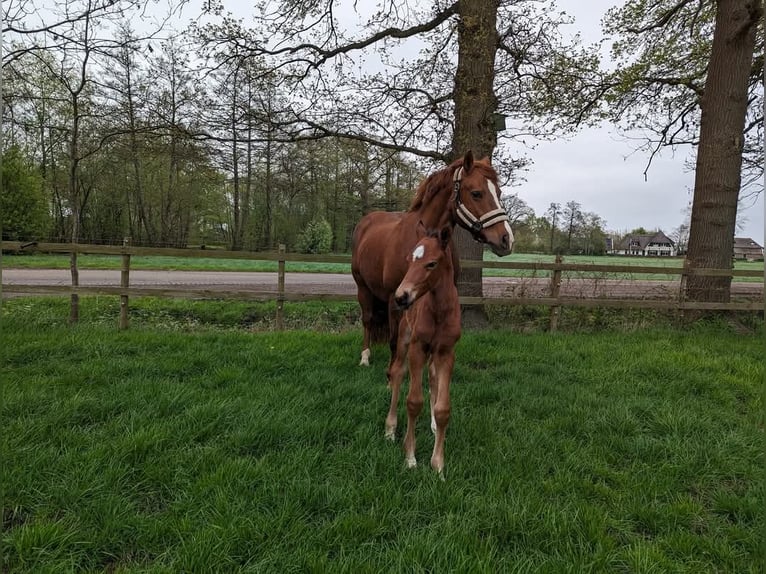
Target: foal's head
(429,263)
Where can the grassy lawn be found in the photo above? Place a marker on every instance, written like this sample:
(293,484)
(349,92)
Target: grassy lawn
(163,449)
(61,261)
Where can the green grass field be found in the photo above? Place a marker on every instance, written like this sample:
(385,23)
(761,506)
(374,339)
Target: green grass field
(162,450)
(61,261)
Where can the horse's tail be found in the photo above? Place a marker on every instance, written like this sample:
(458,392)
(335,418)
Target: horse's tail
(379,332)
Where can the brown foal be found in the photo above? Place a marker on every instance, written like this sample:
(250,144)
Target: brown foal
(427,334)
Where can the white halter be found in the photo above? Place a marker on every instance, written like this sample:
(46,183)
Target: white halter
(467,219)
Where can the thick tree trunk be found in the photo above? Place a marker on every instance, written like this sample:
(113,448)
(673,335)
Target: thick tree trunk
(719,155)
(475,104)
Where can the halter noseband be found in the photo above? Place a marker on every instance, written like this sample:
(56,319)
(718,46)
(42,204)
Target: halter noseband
(467,219)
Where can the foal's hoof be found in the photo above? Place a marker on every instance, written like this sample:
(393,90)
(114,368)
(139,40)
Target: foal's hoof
(365,362)
(390,434)
(411,462)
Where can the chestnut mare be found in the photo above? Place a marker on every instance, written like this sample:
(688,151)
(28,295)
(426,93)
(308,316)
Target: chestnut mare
(427,334)
(467,193)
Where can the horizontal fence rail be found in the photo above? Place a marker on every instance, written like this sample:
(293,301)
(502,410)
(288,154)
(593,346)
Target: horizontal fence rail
(549,290)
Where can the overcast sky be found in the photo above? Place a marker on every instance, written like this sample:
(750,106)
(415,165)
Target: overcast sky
(601,171)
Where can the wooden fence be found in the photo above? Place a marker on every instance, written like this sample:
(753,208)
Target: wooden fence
(552,297)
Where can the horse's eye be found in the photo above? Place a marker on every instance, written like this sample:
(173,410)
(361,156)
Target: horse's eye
(431,265)
(476,194)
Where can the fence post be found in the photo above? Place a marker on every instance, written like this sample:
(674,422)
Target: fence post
(555,288)
(74,298)
(684,314)
(684,279)
(124,283)
(281,288)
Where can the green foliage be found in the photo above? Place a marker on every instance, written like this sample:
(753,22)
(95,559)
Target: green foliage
(22,202)
(316,238)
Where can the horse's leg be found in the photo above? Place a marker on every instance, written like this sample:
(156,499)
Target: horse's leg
(443,363)
(395,376)
(417,358)
(433,388)
(366,302)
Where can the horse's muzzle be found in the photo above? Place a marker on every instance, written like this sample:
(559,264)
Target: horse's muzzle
(403,300)
(504,248)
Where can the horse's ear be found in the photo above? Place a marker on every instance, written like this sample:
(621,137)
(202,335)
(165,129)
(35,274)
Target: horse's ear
(420,230)
(468,161)
(445,235)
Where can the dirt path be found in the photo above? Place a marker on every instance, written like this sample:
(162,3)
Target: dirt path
(344,284)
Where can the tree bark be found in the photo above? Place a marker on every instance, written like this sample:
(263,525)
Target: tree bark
(719,155)
(475,104)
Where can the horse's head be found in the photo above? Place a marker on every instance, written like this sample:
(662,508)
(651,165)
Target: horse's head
(477,204)
(429,262)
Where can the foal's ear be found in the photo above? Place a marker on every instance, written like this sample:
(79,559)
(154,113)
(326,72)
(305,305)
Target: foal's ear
(420,230)
(445,235)
(468,161)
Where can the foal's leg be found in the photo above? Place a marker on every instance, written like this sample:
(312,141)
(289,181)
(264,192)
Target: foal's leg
(395,374)
(414,400)
(444,362)
(396,321)
(433,389)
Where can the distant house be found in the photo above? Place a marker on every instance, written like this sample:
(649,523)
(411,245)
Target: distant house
(746,249)
(652,245)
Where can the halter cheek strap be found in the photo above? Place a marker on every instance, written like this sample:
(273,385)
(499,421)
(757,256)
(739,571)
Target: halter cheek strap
(467,219)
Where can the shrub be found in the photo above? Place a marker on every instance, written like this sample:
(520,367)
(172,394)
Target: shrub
(316,238)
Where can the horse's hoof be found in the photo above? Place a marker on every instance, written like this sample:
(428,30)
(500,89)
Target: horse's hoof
(365,362)
(390,434)
(411,462)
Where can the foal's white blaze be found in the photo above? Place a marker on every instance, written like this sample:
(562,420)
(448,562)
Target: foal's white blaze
(418,253)
(493,193)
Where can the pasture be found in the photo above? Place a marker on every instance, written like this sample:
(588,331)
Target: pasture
(223,450)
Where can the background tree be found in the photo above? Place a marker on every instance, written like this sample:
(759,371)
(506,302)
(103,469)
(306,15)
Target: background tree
(22,201)
(518,210)
(718,178)
(591,239)
(694,67)
(128,89)
(553,213)
(572,221)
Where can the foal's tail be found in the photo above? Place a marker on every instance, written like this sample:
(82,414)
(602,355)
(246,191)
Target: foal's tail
(379,332)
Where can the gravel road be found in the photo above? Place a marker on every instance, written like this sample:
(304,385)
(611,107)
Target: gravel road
(344,284)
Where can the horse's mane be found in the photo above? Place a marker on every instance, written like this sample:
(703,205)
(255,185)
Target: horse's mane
(442,179)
